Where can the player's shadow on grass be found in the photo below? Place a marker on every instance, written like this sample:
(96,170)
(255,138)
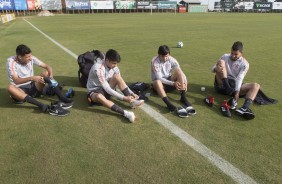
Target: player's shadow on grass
(68,81)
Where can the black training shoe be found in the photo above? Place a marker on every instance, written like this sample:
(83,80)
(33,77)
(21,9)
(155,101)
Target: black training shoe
(232,103)
(63,105)
(190,110)
(209,101)
(181,112)
(224,108)
(57,110)
(245,113)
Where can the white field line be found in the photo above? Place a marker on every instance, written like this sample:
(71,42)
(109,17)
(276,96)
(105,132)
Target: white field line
(237,175)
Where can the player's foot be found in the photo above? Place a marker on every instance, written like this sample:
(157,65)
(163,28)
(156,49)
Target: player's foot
(190,110)
(181,112)
(209,101)
(130,116)
(63,105)
(225,109)
(57,110)
(232,103)
(136,103)
(245,113)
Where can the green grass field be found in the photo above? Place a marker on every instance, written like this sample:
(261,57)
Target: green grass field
(95,145)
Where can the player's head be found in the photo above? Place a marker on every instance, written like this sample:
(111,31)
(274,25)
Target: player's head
(112,58)
(164,52)
(236,50)
(23,53)
(22,50)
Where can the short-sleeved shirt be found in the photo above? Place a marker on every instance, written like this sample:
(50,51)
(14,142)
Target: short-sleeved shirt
(99,77)
(20,70)
(163,70)
(235,69)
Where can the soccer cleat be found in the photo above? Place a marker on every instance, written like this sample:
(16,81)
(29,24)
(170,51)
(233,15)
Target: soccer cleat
(57,110)
(54,83)
(190,110)
(232,103)
(245,113)
(63,105)
(136,103)
(209,101)
(225,109)
(130,116)
(181,112)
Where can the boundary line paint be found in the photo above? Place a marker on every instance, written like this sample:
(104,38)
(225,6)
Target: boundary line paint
(227,168)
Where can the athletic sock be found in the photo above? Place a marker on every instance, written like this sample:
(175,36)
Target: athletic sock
(31,100)
(61,96)
(117,109)
(126,91)
(184,99)
(169,105)
(247,103)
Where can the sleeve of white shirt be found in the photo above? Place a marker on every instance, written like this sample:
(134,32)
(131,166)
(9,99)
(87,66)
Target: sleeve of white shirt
(239,79)
(11,70)
(157,71)
(36,61)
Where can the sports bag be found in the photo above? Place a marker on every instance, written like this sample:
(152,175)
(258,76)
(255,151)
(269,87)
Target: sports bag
(85,62)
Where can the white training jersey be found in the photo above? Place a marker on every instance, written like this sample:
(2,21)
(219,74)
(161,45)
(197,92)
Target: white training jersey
(99,77)
(162,70)
(235,69)
(14,68)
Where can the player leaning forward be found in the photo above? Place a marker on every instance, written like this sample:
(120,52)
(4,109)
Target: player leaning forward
(230,71)
(167,76)
(103,79)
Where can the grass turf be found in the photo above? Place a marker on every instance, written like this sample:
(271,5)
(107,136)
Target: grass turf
(95,145)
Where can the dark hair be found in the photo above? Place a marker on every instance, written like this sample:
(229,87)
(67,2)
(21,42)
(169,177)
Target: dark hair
(163,50)
(22,50)
(113,55)
(237,46)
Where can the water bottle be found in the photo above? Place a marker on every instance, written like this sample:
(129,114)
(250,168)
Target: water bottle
(69,93)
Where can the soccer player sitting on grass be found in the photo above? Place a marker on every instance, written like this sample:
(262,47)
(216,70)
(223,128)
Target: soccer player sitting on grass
(25,86)
(103,79)
(230,71)
(167,76)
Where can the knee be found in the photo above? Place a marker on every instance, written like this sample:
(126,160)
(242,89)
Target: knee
(256,86)
(10,88)
(99,97)
(116,77)
(45,74)
(157,84)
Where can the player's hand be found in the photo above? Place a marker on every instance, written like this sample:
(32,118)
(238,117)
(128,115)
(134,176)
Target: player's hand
(128,99)
(135,96)
(38,79)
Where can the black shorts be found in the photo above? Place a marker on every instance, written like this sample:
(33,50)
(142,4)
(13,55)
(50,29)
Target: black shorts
(220,88)
(31,90)
(101,91)
(169,88)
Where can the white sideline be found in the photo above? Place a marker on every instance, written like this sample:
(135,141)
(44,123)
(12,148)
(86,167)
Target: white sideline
(237,175)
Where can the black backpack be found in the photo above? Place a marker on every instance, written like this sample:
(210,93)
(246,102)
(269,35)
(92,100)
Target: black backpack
(85,62)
